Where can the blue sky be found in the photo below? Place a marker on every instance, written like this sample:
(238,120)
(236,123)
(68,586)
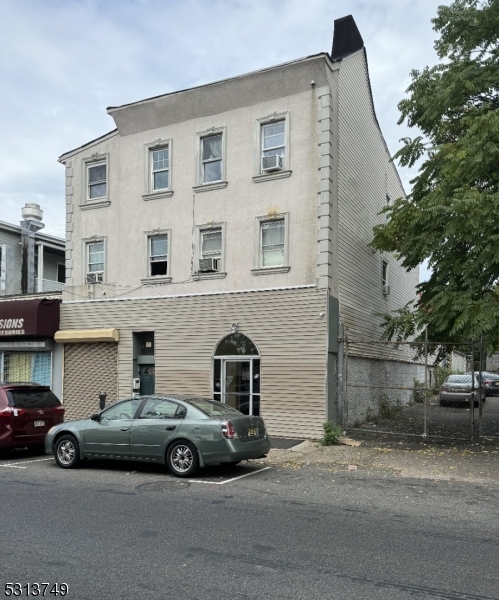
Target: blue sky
(63,62)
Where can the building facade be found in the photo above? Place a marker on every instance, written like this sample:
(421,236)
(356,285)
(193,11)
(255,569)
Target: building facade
(32,275)
(219,235)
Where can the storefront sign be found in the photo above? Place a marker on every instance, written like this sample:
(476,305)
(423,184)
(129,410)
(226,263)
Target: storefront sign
(29,317)
(11,326)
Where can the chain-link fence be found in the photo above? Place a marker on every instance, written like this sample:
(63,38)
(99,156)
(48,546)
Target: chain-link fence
(420,389)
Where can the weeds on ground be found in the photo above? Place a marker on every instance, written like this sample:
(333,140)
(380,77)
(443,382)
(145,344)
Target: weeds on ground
(332,433)
(387,410)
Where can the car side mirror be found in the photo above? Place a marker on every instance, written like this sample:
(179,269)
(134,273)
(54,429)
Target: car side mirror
(95,417)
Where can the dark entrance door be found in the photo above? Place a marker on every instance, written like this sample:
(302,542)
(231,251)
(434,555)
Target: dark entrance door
(147,379)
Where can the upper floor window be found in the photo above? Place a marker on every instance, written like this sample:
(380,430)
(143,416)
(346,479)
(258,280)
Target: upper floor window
(272,153)
(95,261)
(158,255)
(211,158)
(272,243)
(160,169)
(273,146)
(97,180)
(211,250)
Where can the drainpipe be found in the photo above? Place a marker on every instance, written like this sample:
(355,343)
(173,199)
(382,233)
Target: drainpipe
(31,223)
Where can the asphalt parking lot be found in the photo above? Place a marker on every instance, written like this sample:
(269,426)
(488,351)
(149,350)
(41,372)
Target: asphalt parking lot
(23,460)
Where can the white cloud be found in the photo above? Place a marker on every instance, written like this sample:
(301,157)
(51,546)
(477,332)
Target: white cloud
(64,62)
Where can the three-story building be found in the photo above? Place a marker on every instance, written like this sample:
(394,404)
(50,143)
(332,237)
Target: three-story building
(219,235)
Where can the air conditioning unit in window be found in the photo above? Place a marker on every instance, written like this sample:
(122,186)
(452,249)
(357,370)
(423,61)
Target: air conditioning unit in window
(386,290)
(208,265)
(94,277)
(272,163)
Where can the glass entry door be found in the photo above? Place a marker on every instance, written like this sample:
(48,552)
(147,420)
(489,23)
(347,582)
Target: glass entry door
(237,383)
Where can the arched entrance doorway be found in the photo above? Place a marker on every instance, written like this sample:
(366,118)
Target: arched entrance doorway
(236,373)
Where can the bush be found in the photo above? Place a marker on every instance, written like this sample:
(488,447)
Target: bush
(332,433)
(387,410)
(419,391)
(441,374)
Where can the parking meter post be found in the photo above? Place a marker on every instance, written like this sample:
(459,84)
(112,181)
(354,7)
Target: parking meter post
(102,400)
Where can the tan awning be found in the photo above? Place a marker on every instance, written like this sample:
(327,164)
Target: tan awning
(76,336)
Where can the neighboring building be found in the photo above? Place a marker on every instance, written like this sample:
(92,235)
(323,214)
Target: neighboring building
(219,235)
(32,273)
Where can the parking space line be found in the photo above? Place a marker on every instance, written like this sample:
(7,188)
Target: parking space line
(16,465)
(228,480)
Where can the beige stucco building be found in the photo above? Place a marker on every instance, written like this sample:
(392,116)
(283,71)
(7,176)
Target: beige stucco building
(243,208)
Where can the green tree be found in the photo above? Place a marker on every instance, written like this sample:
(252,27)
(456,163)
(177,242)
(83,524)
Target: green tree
(451,216)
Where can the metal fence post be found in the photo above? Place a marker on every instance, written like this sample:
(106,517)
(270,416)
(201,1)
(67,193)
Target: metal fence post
(425,414)
(472,401)
(342,410)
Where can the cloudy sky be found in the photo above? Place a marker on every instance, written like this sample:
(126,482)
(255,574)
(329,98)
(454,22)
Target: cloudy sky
(62,62)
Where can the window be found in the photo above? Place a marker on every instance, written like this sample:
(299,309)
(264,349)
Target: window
(123,410)
(97,180)
(160,169)
(273,145)
(385,278)
(211,158)
(272,243)
(158,255)
(159,408)
(95,261)
(272,149)
(61,272)
(211,248)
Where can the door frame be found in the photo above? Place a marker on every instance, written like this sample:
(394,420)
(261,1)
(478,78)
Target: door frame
(237,358)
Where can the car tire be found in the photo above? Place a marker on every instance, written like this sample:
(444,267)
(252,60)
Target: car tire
(67,452)
(182,458)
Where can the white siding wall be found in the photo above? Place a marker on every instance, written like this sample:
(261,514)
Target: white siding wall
(365,177)
(286,326)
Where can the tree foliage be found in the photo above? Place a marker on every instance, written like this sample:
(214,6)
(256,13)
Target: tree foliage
(451,216)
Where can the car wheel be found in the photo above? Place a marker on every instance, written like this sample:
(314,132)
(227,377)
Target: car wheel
(67,452)
(182,458)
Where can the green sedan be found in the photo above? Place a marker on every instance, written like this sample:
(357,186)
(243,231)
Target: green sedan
(185,433)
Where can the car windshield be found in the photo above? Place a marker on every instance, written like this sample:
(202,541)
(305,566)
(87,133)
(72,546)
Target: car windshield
(213,408)
(459,379)
(33,398)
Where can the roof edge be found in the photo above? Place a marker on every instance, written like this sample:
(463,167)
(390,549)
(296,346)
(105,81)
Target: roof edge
(69,153)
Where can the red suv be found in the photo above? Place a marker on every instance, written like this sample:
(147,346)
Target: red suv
(27,412)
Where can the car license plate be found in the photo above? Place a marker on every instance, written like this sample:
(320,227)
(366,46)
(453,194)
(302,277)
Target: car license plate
(252,431)
(39,423)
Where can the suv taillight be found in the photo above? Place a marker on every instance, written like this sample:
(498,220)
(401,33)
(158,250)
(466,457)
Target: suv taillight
(6,413)
(59,409)
(228,430)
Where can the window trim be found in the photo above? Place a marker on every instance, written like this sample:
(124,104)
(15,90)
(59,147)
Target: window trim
(157,279)
(96,239)
(259,269)
(198,231)
(275,117)
(211,185)
(94,161)
(150,192)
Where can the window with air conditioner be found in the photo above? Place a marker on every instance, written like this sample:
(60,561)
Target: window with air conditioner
(273,146)
(95,262)
(211,251)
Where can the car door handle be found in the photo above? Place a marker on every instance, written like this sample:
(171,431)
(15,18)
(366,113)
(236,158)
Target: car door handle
(171,427)
(125,429)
